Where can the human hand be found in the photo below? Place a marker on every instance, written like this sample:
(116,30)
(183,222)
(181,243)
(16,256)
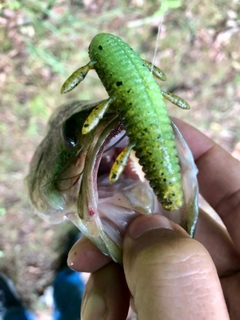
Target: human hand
(167,274)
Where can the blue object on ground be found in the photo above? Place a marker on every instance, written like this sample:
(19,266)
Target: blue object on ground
(11,307)
(18,313)
(68,288)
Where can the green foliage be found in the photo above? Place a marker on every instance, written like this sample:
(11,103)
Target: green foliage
(12,5)
(3,211)
(46,56)
(167,5)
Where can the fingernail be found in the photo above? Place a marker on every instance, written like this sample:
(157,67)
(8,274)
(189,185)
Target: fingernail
(95,307)
(146,223)
(71,257)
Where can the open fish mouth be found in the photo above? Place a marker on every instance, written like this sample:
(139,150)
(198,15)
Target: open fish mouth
(69,177)
(104,210)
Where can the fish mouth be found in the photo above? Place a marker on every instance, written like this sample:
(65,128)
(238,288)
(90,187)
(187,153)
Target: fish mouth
(79,188)
(105,209)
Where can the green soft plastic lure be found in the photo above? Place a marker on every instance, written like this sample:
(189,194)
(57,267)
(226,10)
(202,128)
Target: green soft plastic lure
(139,103)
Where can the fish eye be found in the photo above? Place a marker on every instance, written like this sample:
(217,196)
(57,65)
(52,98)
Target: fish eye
(70,132)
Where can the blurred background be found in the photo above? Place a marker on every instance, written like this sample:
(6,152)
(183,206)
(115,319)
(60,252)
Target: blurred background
(43,42)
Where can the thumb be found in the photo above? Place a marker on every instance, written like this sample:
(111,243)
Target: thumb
(170,275)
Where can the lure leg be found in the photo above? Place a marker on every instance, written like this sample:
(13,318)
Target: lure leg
(77,77)
(158,73)
(120,163)
(96,115)
(179,102)
(190,184)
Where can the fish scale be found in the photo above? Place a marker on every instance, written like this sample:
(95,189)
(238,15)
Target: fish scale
(142,110)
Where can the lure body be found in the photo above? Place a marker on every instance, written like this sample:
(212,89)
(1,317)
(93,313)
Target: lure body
(139,102)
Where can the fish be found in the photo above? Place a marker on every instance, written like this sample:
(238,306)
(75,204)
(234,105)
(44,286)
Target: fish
(69,178)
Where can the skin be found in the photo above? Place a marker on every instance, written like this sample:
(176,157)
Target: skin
(166,274)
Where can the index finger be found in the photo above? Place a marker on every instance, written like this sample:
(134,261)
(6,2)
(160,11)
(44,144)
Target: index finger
(218,177)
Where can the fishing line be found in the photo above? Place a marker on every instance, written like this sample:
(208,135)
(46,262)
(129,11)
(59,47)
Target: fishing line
(158,34)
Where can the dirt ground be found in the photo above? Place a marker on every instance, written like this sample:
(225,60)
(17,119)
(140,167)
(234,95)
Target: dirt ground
(43,42)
